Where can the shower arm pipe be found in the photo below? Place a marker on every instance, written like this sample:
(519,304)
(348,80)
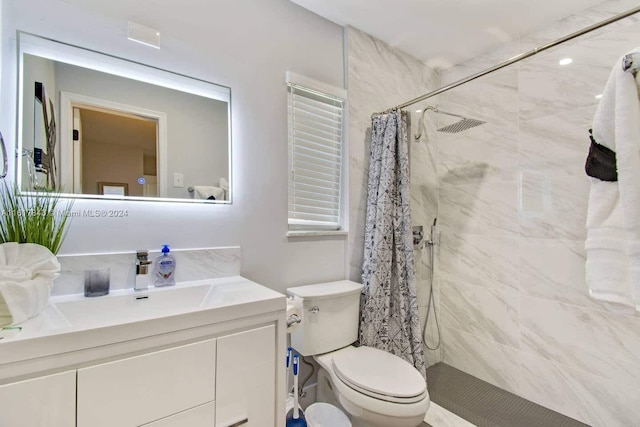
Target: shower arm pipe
(439,111)
(520,57)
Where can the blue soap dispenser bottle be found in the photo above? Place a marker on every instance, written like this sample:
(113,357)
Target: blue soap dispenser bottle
(165,267)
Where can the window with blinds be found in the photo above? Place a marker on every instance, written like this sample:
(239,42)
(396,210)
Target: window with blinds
(316,128)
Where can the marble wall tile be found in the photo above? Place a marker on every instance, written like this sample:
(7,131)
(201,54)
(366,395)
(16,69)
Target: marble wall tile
(554,269)
(489,151)
(488,261)
(486,313)
(379,77)
(581,20)
(191,264)
(493,98)
(558,144)
(481,63)
(545,90)
(588,397)
(602,343)
(548,88)
(479,208)
(553,207)
(494,363)
(573,355)
(485,152)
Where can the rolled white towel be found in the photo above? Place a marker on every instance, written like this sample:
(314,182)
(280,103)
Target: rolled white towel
(22,261)
(27,271)
(27,299)
(15,273)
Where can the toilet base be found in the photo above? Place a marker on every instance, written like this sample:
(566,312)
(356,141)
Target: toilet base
(325,393)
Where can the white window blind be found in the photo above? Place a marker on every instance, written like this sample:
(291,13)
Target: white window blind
(316,129)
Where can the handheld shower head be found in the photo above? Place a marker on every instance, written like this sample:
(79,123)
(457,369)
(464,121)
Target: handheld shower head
(459,126)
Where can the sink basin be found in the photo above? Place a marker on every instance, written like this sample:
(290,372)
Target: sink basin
(127,305)
(130,306)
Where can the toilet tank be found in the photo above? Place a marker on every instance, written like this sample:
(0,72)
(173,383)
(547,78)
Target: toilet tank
(329,318)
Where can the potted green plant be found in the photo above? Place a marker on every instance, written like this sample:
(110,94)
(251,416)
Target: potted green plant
(39,217)
(32,228)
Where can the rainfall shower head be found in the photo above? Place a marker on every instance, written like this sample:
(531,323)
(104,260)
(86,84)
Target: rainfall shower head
(459,126)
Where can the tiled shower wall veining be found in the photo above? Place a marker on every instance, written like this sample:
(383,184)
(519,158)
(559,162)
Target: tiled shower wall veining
(379,78)
(513,199)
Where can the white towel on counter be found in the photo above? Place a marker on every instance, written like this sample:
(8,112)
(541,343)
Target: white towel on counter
(613,216)
(206,191)
(26,299)
(27,271)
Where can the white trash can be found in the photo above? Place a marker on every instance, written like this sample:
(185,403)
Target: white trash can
(322,414)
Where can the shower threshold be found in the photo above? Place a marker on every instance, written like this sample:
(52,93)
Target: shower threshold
(485,405)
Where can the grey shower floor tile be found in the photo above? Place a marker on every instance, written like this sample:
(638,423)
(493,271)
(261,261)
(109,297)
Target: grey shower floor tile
(486,405)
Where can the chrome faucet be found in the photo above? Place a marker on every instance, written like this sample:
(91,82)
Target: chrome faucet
(142,270)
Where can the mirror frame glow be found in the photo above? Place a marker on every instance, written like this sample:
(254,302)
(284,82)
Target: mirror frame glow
(59,51)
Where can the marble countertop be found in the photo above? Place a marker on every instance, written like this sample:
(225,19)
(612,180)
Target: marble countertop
(73,324)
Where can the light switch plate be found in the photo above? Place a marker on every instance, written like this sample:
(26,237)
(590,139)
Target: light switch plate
(178,180)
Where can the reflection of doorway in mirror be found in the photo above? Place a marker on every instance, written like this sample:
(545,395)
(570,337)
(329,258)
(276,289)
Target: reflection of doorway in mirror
(112,143)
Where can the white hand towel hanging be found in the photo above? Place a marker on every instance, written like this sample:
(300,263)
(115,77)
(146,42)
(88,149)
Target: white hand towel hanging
(613,217)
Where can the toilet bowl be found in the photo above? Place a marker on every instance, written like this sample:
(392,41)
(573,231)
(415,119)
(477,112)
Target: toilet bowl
(374,388)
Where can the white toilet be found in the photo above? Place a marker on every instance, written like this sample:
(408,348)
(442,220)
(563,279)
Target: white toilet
(375,388)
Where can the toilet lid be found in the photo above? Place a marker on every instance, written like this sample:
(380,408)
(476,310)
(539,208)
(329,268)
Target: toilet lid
(380,374)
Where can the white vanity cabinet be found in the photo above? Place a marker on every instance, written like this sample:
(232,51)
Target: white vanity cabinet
(48,401)
(220,364)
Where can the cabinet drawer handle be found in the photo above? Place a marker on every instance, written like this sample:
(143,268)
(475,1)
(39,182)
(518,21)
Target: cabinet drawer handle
(239,423)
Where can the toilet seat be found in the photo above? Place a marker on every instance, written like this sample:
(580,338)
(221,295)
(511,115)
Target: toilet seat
(379,375)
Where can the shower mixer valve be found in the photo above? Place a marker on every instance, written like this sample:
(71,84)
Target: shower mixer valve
(418,235)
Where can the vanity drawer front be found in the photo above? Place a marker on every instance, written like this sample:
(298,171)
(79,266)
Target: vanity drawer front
(41,402)
(146,388)
(202,416)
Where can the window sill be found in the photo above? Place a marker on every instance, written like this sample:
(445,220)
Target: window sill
(316,233)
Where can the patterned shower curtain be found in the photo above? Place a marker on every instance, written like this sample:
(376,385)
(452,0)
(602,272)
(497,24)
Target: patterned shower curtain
(389,317)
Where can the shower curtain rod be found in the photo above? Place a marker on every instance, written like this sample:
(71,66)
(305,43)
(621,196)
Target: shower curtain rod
(519,58)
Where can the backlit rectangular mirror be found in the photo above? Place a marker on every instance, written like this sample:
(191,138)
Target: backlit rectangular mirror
(97,126)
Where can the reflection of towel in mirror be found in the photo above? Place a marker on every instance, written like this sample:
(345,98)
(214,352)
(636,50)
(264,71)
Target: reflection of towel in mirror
(205,192)
(613,223)
(224,184)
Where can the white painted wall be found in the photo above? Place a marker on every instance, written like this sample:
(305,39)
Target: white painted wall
(244,44)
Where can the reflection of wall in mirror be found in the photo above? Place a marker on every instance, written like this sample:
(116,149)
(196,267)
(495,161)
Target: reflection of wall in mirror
(34,136)
(111,163)
(197,126)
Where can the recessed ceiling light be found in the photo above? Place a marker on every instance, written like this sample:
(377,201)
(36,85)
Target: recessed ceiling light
(565,61)
(418,111)
(598,96)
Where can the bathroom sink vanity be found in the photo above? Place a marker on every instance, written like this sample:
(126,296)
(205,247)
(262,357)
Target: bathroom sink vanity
(204,353)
